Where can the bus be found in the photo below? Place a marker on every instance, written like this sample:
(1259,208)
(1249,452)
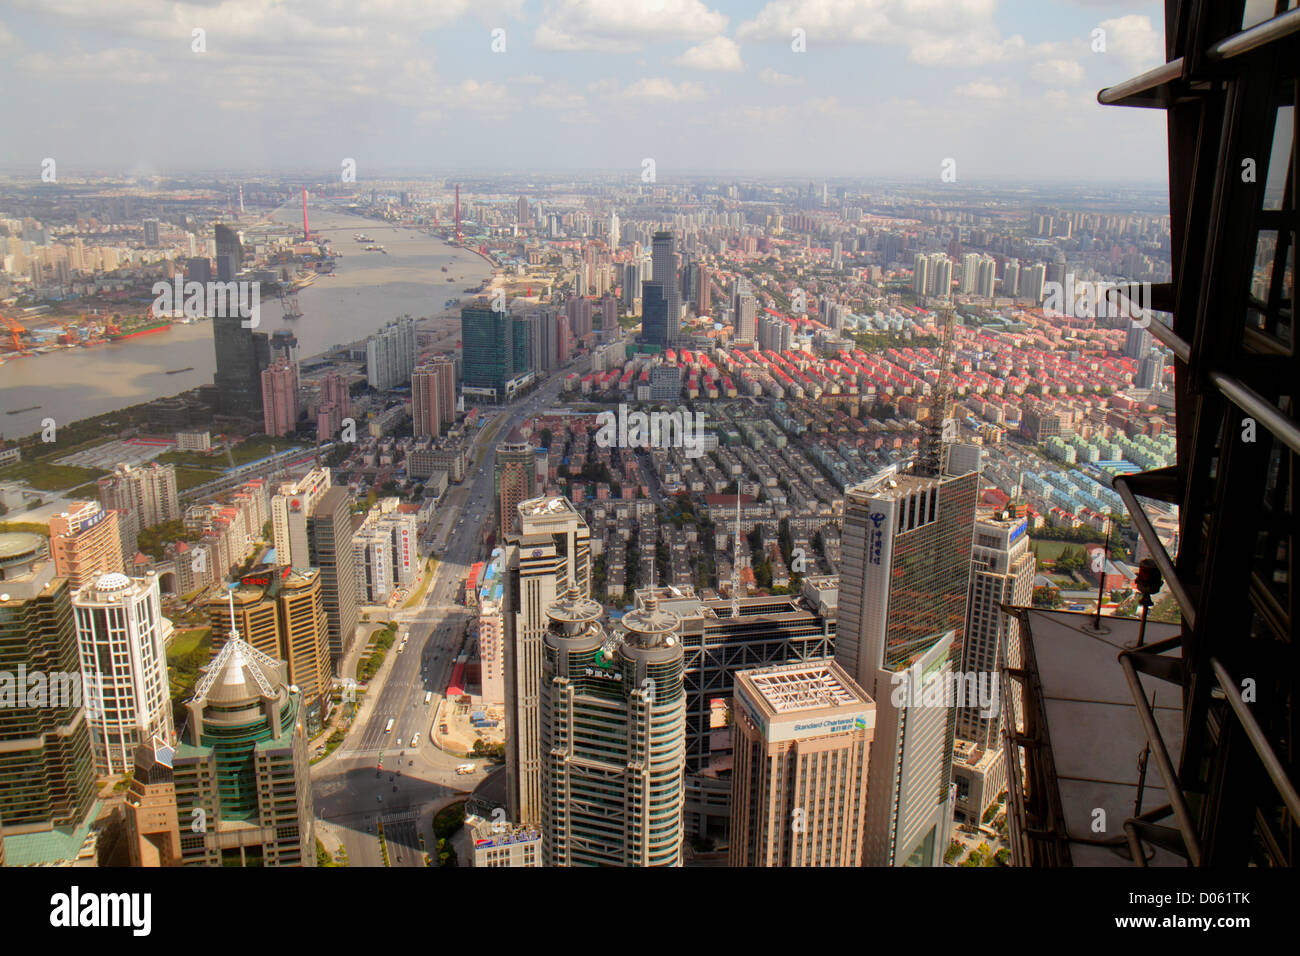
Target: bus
(389,729)
(428,696)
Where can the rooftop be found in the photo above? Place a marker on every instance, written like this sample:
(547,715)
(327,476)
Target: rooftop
(798,687)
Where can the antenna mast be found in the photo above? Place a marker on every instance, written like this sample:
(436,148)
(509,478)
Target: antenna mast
(930,460)
(735,560)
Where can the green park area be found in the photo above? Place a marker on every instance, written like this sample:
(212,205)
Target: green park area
(189,651)
(46,476)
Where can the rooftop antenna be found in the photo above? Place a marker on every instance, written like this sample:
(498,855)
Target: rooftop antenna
(930,460)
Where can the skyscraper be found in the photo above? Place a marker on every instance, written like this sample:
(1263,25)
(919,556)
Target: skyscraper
(902,610)
(487,341)
(329,542)
(230,253)
(122,636)
(514,481)
(663,257)
(153,836)
(801,739)
(613,721)
(85,542)
(241,765)
(655,329)
(552,547)
(281,612)
(1011,278)
(280,398)
(744,309)
(242,354)
(291,505)
(46,769)
(427,396)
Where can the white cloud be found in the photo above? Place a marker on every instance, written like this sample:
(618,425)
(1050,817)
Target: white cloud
(1136,40)
(983,90)
(772,78)
(1057,72)
(621,26)
(655,89)
(720,53)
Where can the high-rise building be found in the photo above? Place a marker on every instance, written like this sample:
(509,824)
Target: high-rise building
(385,552)
(986,270)
(329,542)
(487,341)
(801,740)
(1151,371)
(280,611)
(151,233)
(149,491)
(663,258)
(85,542)
(391,354)
(280,398)
(291,506)
(744,309)
(614,235)
(551,548)
(241,765)
(1002,574)
(904,583)
(230,253)
(427,396)
(153,836)
(655,326)
(1011,278)
(242,355)
(516,468)
(1030,288)
(1137,342)
(612,722)
(335,405)
(47,773)
(122,639)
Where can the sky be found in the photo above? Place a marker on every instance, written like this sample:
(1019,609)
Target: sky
(1006,89)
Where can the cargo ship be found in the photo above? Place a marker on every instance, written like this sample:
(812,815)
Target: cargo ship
(115,334)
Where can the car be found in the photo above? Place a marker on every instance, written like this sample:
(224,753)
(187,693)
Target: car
(379,797)
(394,790)
(390,778)
(379,773)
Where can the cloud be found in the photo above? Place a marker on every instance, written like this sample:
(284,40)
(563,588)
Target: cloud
(772,78)
(1057,72)
(982,90)
(720,53)
(1134,38)
(655,89)
(622,26)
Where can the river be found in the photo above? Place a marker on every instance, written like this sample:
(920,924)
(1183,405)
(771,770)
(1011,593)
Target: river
(368,289)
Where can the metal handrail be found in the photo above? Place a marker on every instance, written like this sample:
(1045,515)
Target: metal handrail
(1148,534)
(1258,740)
(1271,30)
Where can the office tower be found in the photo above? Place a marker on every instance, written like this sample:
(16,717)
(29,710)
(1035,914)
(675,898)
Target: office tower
(1011,278)
(744,308)
(1030,288)
(801,739)
(385,552)
(47,777)
(654,315)
(1002,574)
(391,354)
(1151,371)
(552,546)
(242,354)
(280,611)
(230,253)
(1054,273)
(521,209)
(521,360)
(663,259)
(85,542)
(198,270)
(280,398)
(487,340)
(769,629)
(904,583)
(614,236)
(514,482)
(492,628)
(329,542)
(630,283)
(563,339)
(122,637)
(153,836)
(1137,342)
(291,505)
(241,763)
(151,233)
(612,742)
(147,490)
(497,843)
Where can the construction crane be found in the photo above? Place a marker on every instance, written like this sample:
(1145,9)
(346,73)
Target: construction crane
(930,458)
(16,331)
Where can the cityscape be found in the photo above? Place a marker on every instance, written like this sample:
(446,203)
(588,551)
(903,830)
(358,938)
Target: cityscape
(714,509)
